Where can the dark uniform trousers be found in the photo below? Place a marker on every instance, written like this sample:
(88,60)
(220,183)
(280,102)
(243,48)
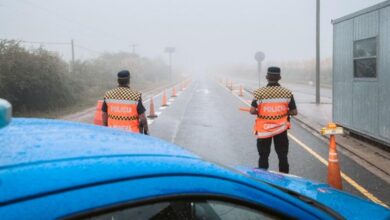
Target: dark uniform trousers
(281,148)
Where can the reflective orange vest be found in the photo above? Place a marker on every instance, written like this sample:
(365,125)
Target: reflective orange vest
(122,109)
(272,112)
(123,114)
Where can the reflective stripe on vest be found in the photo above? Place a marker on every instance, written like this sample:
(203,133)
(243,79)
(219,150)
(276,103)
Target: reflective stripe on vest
(277,130)
(272,117)
(123,114)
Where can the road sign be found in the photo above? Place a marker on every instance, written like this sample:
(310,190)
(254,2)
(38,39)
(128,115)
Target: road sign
(259,56)
(332,131)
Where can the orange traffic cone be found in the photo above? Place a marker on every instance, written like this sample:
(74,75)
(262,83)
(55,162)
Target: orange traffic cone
(241,94)
(174,92)
(164,99)
(334,176)
(98,120)
(152,113)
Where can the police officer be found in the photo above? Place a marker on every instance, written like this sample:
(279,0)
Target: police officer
(122,107)
(273,106)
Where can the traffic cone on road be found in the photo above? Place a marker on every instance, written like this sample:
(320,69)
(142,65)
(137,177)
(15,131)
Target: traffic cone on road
(164,99)
(334,175)
(241,94)
(184,85)
(152,113)
(174,92)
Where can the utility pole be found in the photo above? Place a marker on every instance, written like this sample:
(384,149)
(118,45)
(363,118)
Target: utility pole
(134,46)
(318,52)
(170,50)
(72,45)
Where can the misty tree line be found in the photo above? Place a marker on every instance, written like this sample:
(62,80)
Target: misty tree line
(304,71)
(295,71)
(37,80)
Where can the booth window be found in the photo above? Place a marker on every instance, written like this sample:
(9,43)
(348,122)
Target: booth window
(364,58)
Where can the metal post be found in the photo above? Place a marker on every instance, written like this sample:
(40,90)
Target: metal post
(259,57)
(170,67)
(259,71)
(170,50)
(72,45)
(318,53)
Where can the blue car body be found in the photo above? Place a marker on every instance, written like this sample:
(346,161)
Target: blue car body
(56,169)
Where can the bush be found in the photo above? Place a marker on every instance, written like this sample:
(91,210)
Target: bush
(39,81)
(32,80)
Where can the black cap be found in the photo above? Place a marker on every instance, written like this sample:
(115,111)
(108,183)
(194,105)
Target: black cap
(273,70)
(124,74)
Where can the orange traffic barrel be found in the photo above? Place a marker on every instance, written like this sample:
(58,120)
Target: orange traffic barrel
(98,120)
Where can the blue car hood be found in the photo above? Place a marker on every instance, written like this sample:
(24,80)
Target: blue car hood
(347,205)
(29,140)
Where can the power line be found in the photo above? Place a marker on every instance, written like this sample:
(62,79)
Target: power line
(42,42)
(88,49)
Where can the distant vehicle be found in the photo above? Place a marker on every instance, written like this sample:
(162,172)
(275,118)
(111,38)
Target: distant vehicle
(51,169)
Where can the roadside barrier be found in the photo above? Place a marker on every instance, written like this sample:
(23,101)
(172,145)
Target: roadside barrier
(164,99)
(152,113)
(334,174)
(98,120)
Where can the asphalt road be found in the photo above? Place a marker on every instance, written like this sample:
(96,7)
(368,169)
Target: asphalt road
(205,120)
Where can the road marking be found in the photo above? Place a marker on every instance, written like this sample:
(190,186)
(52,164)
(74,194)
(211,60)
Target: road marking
(348,179)
(178,124)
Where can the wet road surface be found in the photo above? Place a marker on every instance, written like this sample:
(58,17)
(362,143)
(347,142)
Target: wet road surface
(205,120)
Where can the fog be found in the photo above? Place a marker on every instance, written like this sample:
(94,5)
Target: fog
(206,33)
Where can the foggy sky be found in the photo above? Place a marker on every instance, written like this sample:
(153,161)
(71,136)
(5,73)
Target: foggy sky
(204,32)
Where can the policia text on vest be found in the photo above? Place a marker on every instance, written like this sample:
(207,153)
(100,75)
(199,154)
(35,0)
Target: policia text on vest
(122,107)
(273,106)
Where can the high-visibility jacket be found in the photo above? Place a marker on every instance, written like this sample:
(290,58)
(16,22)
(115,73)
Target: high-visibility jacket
(122,108)
(272,111)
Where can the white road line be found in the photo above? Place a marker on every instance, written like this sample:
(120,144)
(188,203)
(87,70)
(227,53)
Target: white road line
(348,179)
(177,126)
